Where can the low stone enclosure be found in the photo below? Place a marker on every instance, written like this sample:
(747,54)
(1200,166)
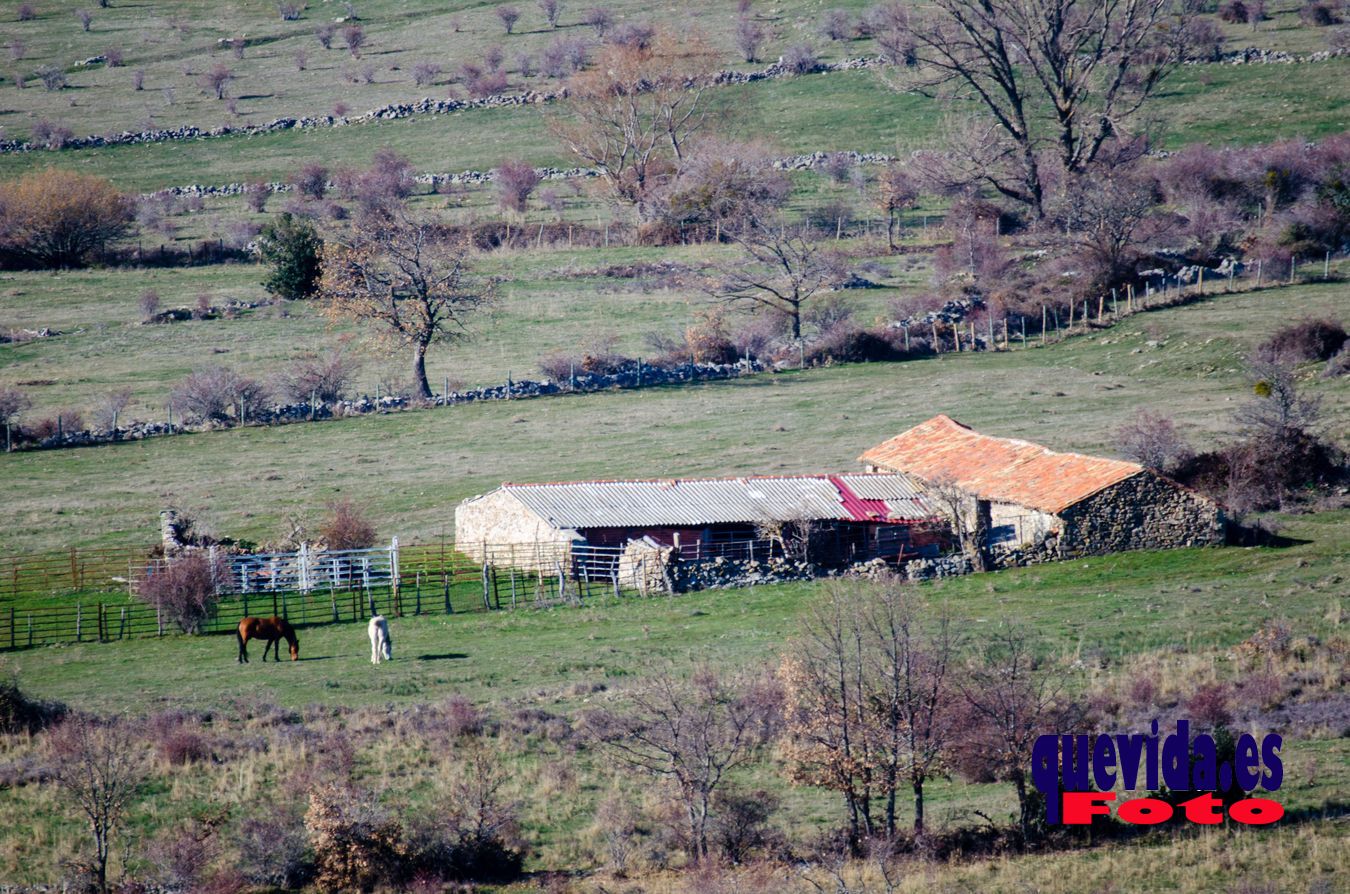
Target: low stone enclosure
(634,375)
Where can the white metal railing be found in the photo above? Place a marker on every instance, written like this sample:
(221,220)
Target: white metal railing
(302,571)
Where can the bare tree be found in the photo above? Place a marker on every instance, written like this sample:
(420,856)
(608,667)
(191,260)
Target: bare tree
(1277,411)
(912,658)
(780,268)
(551,10)
(1107,217)
(108,413)
(721,184)
(210,392)
(599,18)
(897,190)
(836,24)
(1013,699)
(99,765)
(85,17)
(508,15)
(217,78)
(889,26)
(631,114)
(354,36)
(397,273)
(1092,65)
(323,376)
(347,527)
(186,589)
(968,516)
(749,38)
(515,180)
(1152,441)
(694,733)
(869,694)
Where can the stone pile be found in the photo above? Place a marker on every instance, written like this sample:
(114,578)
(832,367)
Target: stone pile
(944,566)
(723,573)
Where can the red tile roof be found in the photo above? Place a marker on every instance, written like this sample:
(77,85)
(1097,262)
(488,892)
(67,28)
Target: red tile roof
(1003,470)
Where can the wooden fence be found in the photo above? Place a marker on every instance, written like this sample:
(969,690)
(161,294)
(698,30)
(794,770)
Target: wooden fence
(341,587)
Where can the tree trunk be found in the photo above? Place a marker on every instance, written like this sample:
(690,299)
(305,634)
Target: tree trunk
(420,371)
(796,322)
(1023,820)
(918,806)
(890,229)
(101,861)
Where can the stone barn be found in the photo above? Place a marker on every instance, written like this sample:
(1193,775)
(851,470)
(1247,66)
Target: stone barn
(851,516)
(1048,504)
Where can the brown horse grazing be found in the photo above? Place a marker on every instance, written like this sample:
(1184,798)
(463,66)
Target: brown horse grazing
(273,630)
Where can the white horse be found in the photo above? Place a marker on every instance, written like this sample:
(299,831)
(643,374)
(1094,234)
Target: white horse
(381,644)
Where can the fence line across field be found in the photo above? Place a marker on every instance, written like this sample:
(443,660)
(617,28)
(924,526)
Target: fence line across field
(312,586)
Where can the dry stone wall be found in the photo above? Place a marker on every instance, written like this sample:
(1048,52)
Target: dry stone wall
(1145,511)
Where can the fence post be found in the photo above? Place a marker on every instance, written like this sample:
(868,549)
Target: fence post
(102,625)
(122,625)
(159,618)
(417,604)
(79,622)
(394,575)
(303,559)
(11,627)
(30,628)
(445,587)
(486,602)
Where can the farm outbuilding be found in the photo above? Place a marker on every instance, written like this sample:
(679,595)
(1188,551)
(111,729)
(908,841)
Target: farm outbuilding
(1027,495)
(847,516)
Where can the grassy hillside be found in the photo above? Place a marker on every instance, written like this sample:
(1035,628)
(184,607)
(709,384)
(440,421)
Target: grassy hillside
(172,44)
(1178,613)
(412,468)
(822,112)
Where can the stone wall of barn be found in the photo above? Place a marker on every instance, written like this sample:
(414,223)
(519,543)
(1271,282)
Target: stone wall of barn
(512,532)
(1145,511)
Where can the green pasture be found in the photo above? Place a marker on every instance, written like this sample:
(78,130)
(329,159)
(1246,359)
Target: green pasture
(552,300)
(410,469)
(1099,611)
(1095,614)
(823,112)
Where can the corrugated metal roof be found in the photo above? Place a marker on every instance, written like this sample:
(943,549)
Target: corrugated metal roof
(702,501)
(1000,469)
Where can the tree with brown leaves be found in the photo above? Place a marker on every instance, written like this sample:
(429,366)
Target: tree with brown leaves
(868,691)
(400,274)
(60,218)
(632,114)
